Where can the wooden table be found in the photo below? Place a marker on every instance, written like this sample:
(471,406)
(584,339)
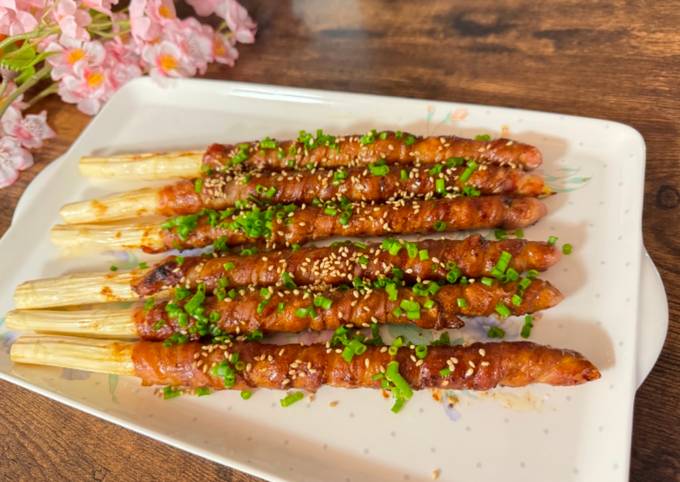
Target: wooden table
(617,60)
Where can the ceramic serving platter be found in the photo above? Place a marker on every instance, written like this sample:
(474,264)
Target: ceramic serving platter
(614,311)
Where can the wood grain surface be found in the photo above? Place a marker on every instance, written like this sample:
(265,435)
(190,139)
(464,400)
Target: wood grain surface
(618,60)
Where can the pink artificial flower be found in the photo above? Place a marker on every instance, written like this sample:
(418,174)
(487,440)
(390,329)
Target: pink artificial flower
(147,18)
(72,21)
(30,131)
(194,39)
(13,158)
(204,7)
(19,16)
(103,6)
(122,63)
(73,60)
(238,20)
(88,89)
(223,51)
(166,59)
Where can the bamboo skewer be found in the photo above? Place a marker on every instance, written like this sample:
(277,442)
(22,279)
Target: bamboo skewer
(76,289)
(100,356)
(97,322)
(142,202)
(108,236)
(149,166)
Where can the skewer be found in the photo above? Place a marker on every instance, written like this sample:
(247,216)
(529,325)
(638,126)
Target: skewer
(287,224)
(428,305)
(322,150)
(384,183)
(76,289)
(147,166)
(438,260)
(242,365)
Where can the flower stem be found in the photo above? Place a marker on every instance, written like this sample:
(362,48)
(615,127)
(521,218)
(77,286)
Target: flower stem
(39,75)
(28,35)
(49,90)
(3,86)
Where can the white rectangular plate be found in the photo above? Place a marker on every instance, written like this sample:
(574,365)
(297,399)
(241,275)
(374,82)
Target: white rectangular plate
(540,433)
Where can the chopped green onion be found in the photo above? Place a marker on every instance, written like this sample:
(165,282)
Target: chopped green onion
(401,386)
(246,394)
(398,405)
(198,185)
(500,234)
(288,281)
(383,135)
(421,351)
(428,304)
(511,275)
(368,138)
(453,274)
(439,226)
(567,249)
(142,265)
(519,233)
(148,304)
(552,240)
(495,332)
(469,170)
(113,267)
(378,169)
(528,325)
(170,392)
(423,255)
(292,398)
(462,303)
(487,281)
(392,292)
(516,300)
(436,169)
(502,310)
(410,140)
(443,340)
(202,391)
(445,372)
(229,265)
(323,302)
(179,260)
(339,176)
(455,161)
(483,137)
(363,260)
(532,273)
(268,143)
(440,186)
(403,175)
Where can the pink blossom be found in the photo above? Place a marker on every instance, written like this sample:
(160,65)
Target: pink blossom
(147,18)
(194,39)
(166,59)
(72,61)
(238,20)
(103,6)
(122,64)
(88,90)
(19,16)
(223,51)
(13,158)
(30,131)
(204,7)
(72,21)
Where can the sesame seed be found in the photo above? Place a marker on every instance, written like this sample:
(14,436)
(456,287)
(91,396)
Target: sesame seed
(469,372)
